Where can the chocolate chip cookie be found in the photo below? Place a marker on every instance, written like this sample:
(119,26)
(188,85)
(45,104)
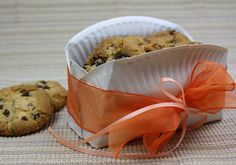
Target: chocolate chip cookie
(165,39)
(127,46)
(24,109)
(56,92)
(115,48)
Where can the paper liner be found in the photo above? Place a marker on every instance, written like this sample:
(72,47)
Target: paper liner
(82,44)
(140,74)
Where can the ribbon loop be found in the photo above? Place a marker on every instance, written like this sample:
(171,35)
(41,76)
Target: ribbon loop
(170,96)
(209,90)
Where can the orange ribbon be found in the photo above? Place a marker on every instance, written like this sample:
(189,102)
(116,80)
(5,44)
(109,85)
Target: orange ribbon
(124,116)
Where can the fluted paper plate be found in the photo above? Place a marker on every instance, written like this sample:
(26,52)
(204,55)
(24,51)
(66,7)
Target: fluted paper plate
(139,74)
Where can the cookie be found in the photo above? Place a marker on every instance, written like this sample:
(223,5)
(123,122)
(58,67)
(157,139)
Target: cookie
(56,92)
(115,48)
(127,46)
(165,39)
(23,109)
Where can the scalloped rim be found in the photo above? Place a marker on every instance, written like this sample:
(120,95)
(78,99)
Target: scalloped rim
(114,21)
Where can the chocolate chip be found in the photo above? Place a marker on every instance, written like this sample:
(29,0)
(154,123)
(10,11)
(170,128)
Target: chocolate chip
(46,87)
(24,93)
(43,82)
(1,106)
(120,55)
(1,99)
(85,66)
(24,118)
(99,61)
(39,85)
(6,113)
(171,32)
(112,45)
(36,116)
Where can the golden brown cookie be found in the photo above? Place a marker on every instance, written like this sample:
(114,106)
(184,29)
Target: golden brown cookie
(115,48)
(165,39)
(56,92)
(24,109)
(104,52)
(127,46)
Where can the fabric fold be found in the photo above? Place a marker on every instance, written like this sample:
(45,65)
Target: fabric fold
(125,116)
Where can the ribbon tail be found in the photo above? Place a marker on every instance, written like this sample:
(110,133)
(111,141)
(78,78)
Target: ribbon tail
(165,120)
(153,142)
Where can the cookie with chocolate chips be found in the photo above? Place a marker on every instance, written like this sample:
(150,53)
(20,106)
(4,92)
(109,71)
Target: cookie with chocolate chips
(118,47)
(115,48)
(24,109)
(56,92)
(166,39)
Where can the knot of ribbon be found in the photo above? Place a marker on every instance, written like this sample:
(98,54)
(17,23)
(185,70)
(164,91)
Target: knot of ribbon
(210,89)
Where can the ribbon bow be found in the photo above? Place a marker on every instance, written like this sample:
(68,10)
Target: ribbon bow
(210,89)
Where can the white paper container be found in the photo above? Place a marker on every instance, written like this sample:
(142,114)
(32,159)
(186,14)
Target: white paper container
(139,74)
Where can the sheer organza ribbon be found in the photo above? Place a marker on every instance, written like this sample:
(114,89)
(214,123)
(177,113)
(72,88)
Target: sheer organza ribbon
(125,116)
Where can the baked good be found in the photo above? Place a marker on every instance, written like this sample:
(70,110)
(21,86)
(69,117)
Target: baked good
(24,109)
(114,48)
(166,39)
(56,92)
